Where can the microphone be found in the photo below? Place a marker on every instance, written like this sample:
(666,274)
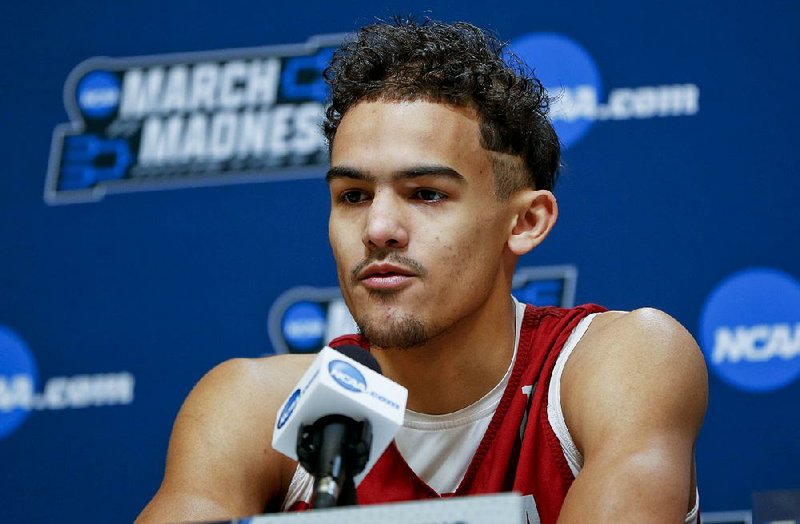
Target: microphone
(337,422)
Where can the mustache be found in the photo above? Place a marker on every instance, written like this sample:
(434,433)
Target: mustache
(391,257)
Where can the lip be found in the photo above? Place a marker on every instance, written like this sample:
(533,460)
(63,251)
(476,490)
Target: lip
(385,277)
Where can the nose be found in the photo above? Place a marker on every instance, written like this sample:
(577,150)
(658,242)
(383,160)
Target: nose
(385,227)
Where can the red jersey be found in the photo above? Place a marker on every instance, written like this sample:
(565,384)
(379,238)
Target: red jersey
(519,451)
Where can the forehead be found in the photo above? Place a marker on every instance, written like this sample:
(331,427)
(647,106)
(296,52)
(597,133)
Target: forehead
(374,135)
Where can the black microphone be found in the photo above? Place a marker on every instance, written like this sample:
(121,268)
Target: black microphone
(335,448)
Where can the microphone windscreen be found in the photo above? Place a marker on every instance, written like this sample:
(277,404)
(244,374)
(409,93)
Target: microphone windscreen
(340,384)
(360,355)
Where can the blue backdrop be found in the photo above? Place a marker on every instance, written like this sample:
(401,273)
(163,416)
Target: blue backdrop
(680,191)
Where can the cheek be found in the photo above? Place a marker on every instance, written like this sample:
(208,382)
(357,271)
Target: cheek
(484,251)
(470,253)
(338,251)
(345,232)
(338,238)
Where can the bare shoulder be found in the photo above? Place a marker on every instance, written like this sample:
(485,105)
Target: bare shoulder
(641,368)
(249,382)
(243,394)
(654,333)
(645,337)
(220,462)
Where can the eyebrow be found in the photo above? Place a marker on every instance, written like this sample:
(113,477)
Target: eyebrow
(404,174)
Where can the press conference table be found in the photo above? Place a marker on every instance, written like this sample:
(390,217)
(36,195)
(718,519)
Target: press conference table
(506,508)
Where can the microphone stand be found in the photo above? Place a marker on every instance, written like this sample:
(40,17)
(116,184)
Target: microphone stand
(334,449)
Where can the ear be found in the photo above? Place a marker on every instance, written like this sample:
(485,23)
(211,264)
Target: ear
(536,213)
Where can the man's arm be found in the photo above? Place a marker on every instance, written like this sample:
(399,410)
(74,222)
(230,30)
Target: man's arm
(634,394)
(220,462)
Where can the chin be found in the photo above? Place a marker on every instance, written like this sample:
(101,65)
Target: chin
(404,332)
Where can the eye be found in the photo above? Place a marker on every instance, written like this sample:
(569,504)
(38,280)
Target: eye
(429,195)
(353,196)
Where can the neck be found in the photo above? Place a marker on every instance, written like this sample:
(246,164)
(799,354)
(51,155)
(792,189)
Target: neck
(459,366)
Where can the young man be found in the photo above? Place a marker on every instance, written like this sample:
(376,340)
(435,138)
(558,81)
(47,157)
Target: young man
(442,165)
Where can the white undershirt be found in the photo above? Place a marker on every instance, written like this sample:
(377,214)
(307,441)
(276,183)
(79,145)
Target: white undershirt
(439,448)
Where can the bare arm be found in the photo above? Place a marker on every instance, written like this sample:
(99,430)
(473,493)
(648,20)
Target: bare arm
(634,395)
(220,462)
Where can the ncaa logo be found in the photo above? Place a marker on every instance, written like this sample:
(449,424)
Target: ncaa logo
(20,394)
(304,319)
(288,409)
(750,329)
(347,376)
(572,80)
(18,378)
(303,326)
(98,94)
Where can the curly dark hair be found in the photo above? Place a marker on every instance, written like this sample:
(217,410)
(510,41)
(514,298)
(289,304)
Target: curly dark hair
(458,64)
